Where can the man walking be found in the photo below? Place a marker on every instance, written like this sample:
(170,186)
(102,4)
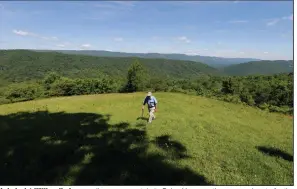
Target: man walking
(151,102)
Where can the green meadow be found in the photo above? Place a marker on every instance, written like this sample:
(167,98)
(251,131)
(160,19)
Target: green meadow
(103,140)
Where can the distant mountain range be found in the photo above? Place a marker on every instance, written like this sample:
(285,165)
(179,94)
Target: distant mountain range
(216,62)
(264,67)
(22,65)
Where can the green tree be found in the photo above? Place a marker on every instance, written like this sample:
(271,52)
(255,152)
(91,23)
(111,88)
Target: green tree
(136,77)
(231,86)
(246,97)
(49,79)
(63,87)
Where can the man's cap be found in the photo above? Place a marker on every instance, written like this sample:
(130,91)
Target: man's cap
(149,94)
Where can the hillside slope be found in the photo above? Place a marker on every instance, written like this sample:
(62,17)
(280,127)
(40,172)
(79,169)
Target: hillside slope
(211,61)
(260,67)
(23,65)
(97,139)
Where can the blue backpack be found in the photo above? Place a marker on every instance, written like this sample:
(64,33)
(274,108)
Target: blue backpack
(151,102)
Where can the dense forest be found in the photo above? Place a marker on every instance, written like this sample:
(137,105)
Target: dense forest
(23,65)
(30,75)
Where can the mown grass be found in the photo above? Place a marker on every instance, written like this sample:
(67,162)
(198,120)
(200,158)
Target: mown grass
(97,139)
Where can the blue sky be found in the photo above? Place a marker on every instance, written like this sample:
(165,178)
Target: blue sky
(262,29)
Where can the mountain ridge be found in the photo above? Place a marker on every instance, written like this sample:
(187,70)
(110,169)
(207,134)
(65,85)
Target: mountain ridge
(213,61)
(259,67)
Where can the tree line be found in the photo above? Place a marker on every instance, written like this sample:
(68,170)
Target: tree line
(273,93)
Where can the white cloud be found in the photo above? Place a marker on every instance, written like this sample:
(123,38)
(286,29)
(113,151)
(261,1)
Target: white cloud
(64,44)
(288,17)
(61,44)
(54,38)
(30,34)
(184,39)
(238,21)
(265,52)
(85,46)
(20,32)
(273,22)
(241,52)
(118,39)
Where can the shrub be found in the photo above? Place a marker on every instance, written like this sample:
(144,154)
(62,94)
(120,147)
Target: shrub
(200,90)
(69,87)
(4,100)
(24,92)
(191,92)
(232,98)
(104,86)
(62,87)
(264,106)
(176,89)
(247,98)
(282,109)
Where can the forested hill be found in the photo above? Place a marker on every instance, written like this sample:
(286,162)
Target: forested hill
(209,60)
(19,65)
(260,68)
(227,66)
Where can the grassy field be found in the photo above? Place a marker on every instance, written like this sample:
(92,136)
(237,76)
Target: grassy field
(100,140)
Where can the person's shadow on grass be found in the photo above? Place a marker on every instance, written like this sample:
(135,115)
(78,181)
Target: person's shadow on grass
(43,148)
(271,151)
(142,118)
